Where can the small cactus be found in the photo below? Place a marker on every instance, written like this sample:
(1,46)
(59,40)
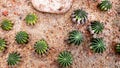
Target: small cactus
(6,25)
(96,27)
(2,45)
(75,37)
(79,16)
(105,5)
(117,48)
(13,58)
(22,37)
(97,45)
(41,47)
(65,59)
(31,19)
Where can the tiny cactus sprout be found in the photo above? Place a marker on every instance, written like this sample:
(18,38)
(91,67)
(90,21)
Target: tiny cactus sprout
(117,48)
(31,19)
(97,45)
(13,58)
(105,5)
(79,16)
(65,59)
(22,37)
(75,37)
(96,27)
(2,45)
(41,47)
(6,25)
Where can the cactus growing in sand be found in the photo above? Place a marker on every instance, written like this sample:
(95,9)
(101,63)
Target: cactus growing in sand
(65,59)
(79,16)
(6,25)
(97,45)
(75,37)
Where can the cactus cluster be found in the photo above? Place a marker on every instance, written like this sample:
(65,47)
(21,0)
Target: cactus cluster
(79,16)
(13,58)
(41,47)
(75,37)
(97,45)
(22,37)
(6,25)
(65,59)
(31,19)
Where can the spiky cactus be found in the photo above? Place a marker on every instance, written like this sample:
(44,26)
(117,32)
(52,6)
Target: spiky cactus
(13,58)
(6,25)
(31,19)
(75,37)
(22,37)
(65,59)
(79,16)
(96,27)
(105,5)
(98,45)
(2,45)
(41,47)
(117,48)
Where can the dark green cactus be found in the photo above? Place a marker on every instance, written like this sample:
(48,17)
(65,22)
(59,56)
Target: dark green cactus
(75,37)
(41,47)
(13,58)
(2,45)
(97,45)
(79,16)
(22,37)
(105,5)
(31,19)
(6,25)
(117,48)
(65,59)
(96,27)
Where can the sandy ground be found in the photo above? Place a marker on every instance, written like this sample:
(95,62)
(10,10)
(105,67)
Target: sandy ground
(54,29)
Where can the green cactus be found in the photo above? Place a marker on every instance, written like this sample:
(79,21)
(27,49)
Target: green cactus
(97,45)
(96,27)
(6,25)
(31,19)
(75,37)
(117,48)
(79,16)
(2,45)
(105,5)
(22,37)
(65,59)
(41,47)
(13,58)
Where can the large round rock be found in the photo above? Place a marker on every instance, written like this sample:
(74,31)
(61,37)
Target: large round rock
(52,6)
